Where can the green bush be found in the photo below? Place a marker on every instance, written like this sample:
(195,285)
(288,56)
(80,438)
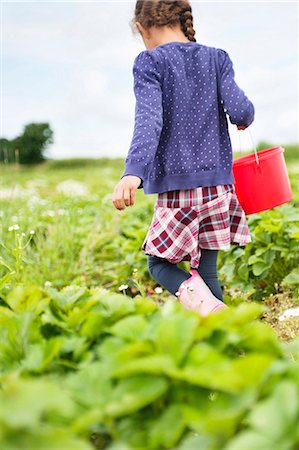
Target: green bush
(81,162)
(81,368)
(270,257)
(28,147)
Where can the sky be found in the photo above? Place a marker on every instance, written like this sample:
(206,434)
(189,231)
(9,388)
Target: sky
(69,63)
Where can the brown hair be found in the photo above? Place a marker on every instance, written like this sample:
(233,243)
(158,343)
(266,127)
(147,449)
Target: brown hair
(161,13)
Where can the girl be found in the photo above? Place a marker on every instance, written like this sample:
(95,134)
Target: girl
(181,150)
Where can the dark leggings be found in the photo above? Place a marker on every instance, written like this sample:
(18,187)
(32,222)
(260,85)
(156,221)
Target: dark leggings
(170,276)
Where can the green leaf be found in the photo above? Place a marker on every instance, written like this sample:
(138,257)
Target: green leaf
(272,226)
(5,279)
(20,331)
(46,437)
(259,268)
(40,356)
(292,278)
(253,259)
(81,312)
(274,416)
(129,328)
(243,272)
(132,394)
(28,298)
(217,372)
(87,420)
(131,430)
(93,325)
(198,442)
(5,315)
(115,306)
(173,332)
(168,429)
(73,344)
(260,337)
(24,402)
(252,440)
(120,445)
(243,313)
(153,364)
(143,306)
(116,354)
(221,414)
(259,251)
(67,296)
(263,237)
(91,386)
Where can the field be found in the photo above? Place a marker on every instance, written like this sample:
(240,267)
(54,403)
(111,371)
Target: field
(94,354)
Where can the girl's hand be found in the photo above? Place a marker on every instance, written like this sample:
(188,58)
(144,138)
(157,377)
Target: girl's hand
(124,192)
(241,127)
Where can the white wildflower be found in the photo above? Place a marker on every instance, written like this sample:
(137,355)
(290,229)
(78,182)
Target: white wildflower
(72,188)
(48,284)
(135,270)
(14,218)
(62,212)
(14,227)
(37,183)
(49,213)
(32,232)
(23,234)
(35,199)
(158,290)
(122,287)
(15,192)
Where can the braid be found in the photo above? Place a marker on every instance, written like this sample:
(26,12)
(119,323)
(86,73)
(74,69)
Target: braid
(161,13)
(187,24)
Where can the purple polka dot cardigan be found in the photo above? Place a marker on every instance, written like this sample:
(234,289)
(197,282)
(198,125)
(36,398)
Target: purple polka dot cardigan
(184,92)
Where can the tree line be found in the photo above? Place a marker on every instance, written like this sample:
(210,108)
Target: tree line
(29,147)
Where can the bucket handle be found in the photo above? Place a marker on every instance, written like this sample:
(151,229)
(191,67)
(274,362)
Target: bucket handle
(254,146)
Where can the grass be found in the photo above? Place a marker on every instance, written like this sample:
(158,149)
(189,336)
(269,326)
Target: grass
(79,237)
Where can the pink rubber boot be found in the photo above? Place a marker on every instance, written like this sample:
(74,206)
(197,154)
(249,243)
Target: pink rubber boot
(196,295)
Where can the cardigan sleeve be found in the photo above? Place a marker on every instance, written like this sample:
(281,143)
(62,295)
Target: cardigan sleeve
(148,115)
(236,104)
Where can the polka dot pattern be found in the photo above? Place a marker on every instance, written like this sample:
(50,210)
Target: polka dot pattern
(183,91)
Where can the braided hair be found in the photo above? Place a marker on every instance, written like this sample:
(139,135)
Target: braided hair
(161,13)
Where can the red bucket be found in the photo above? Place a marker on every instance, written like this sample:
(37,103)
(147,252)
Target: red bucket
(261,180)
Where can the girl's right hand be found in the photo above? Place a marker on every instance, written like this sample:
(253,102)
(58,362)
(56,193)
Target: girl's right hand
(124,192)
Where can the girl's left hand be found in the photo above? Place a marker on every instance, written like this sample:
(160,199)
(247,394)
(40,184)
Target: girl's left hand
(124,191)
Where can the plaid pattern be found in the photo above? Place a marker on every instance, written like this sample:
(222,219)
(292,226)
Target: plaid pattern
(185,221)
